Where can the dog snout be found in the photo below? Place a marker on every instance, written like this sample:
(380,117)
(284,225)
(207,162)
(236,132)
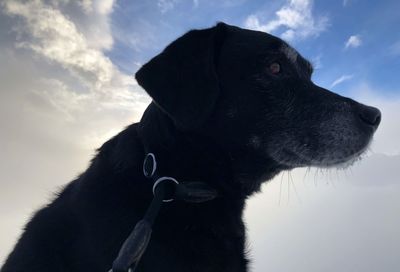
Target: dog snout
(369,116)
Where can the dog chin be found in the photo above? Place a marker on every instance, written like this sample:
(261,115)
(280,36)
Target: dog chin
(325,160)
(341,162)
(345,162)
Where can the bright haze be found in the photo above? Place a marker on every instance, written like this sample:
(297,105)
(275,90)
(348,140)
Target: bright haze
(67,85)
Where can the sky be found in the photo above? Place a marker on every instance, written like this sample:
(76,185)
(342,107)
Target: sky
(67,85)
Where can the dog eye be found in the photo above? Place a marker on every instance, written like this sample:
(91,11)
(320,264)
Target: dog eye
(275,68)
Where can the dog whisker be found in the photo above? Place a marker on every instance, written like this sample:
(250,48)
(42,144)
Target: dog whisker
(294,188)
(288,185)
(280,187)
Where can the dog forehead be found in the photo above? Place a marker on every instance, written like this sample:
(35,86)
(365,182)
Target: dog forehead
(290,53)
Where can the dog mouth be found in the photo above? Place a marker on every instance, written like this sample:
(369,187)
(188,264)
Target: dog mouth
(338,139)
(342,162)
(331,150)
(294,159)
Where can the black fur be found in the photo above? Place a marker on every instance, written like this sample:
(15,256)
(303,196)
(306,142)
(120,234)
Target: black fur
(219,116)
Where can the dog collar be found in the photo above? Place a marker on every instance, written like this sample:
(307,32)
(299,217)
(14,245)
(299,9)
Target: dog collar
(165,189)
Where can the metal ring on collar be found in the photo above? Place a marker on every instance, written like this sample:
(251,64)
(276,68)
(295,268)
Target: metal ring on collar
(158,181)
(150,158)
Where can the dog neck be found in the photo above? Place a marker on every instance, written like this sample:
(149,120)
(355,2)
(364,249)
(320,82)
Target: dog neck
(193,156)
(183,155)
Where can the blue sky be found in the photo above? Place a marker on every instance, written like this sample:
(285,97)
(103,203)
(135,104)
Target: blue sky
(67,85)
(146,27)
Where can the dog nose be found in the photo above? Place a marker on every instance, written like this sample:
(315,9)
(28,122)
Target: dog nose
(370,116)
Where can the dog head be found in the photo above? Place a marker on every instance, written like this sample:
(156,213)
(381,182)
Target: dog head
(251,91)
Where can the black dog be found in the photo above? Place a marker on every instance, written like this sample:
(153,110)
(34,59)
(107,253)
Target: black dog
(231,108)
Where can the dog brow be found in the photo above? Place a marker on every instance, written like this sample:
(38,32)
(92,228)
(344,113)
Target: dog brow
(298,61)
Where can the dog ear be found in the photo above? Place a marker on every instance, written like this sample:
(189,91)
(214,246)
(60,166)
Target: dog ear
(182,80)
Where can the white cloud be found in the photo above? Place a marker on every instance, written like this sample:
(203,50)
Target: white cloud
(166,5)
(341,79)
(86,6)
(53,36)
(317,62)
(341,223)
(295,19)
(103,6)
(56,38)
(354,41)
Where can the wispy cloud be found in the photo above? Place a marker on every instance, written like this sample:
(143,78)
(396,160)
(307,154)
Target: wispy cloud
(166,5)
(317,62)
(47,31)
(395,49)
(74,80)
(55,37)
(295,18)
(353,41)
(341,79)
(345,3)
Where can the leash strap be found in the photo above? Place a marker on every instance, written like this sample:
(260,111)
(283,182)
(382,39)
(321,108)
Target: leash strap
(165,189)
(136,243)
